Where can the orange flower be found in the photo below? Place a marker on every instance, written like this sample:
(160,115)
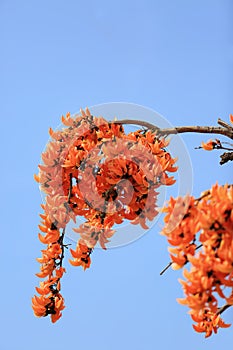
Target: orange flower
(211,144)
(208,323)
(39,305)
(81,256)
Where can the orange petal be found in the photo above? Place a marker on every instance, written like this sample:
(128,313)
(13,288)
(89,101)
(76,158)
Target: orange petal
(88,112)
(231,118)
(42,291)
(41,274)
(36,178)
(198,328)
(51,132)
(55,317)
(196,318)
(181,301)
(43,228)
(42,238)
(208,146)
(75,262)
(75,253)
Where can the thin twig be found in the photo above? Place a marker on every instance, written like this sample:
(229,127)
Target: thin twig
(218,147)
(223,308)
(171,262)
(62,246)
(61,238)
(166,268)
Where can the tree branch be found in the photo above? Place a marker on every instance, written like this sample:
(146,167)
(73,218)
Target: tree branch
(225,124)
(136,122)
(225,129)
(225,157)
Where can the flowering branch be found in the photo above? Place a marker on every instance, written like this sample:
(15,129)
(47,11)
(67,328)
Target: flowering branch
(81,174)
(224,129)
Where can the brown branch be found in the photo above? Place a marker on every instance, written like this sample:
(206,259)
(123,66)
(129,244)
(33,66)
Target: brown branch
(225,157)
(225,124)
(198,129)
(136,122)
(225,130)
(205,194)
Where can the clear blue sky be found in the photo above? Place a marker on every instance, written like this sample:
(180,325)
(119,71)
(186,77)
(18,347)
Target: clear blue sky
(57,56)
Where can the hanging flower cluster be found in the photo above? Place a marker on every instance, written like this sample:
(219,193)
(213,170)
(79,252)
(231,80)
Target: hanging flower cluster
(91,168)
(200,231)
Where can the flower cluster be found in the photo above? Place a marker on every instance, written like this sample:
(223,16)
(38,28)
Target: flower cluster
(207,220)
(216,144)
(91,168)
(211,144)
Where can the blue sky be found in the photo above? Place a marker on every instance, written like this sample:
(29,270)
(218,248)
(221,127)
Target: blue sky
(174,57)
